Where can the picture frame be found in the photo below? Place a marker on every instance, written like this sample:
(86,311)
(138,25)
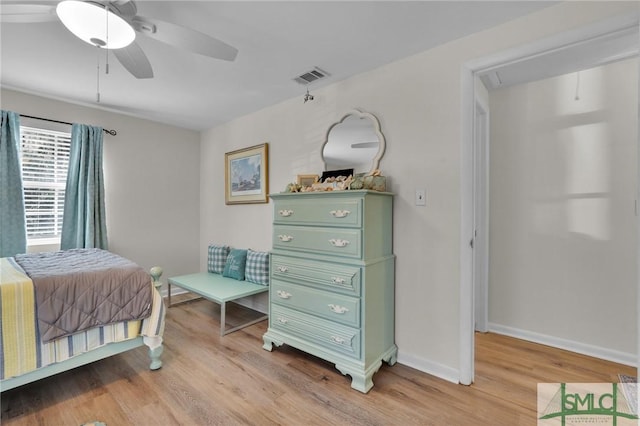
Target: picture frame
(307,180)
(246,175)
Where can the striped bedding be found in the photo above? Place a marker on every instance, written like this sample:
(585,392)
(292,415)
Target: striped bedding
(22,350)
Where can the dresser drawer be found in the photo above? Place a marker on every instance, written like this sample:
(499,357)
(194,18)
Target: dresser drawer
(332,306)
(331,212)
(322,275)
(331,241)
(326,334)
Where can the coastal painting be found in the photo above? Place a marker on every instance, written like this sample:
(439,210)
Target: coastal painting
(246,177)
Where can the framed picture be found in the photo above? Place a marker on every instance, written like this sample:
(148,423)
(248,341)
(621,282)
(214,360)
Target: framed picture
(307,180)
(246,175)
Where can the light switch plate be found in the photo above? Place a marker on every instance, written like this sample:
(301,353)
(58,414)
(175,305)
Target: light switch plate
(421,197)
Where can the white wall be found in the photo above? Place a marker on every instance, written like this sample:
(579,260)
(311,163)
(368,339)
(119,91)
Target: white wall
(418,103)
(151,182)
(563,229)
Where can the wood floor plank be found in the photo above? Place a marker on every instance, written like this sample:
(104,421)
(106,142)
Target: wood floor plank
(231,380)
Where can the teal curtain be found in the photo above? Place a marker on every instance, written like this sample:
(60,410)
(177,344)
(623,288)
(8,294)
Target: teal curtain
(84,224)
(13,229)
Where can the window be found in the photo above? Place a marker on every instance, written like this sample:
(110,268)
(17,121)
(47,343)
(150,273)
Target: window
(45,160)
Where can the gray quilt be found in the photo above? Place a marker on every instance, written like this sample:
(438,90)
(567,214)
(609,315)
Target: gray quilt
(82,288)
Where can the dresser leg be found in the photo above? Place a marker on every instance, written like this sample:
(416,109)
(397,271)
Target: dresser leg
(268,345)
(391,357)
(269,342)
(361,380)
(362,383)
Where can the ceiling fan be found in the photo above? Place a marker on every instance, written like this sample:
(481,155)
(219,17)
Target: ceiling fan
(114,25)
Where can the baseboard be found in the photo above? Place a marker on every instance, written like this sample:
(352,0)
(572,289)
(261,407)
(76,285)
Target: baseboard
(441,371)
(569,345)
(174,291)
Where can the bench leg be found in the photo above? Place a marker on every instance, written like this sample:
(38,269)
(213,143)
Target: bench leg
(246,324)
(223,324)
(223,308)
(180,302)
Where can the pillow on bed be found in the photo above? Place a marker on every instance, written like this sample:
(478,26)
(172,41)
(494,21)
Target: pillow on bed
(217,258)
(257,268)
(235,266)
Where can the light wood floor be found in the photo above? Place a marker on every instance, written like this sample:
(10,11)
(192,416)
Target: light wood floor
(233,381)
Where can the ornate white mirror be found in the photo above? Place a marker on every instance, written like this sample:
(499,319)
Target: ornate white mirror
(355,142)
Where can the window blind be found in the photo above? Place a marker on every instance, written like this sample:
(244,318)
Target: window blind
(45,161)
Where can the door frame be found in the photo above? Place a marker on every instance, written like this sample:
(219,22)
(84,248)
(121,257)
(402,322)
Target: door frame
(481,168)
(469,157)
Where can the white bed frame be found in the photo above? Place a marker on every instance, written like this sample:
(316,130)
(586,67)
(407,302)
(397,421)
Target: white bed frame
(154,344)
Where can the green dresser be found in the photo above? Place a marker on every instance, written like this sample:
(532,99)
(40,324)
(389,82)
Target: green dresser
(332,279)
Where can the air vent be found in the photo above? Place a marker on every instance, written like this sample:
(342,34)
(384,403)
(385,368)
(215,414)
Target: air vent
(311,76)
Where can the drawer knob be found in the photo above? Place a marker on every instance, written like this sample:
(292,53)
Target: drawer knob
(338,340)
(338,280)
(283,294)
(285,212)
(339,213)
(285,238)
(282,320)
(338,309)
(338,242)
(283,269)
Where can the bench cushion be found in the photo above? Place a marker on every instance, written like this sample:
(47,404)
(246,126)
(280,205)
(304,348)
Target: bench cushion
(257,268)
(217,258)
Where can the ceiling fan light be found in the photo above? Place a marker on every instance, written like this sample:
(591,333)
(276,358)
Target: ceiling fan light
(88,22)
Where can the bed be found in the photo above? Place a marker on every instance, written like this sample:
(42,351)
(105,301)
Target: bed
(65,309)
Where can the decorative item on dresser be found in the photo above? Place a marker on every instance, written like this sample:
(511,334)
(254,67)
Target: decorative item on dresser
(332,279)
(307,180)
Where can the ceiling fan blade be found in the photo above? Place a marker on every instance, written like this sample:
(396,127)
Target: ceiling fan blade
(26,13)
(125,8)
(134,60)
(185,38)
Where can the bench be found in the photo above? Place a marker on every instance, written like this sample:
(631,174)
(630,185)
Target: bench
(218,289)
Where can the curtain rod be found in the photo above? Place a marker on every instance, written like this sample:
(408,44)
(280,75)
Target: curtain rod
(111,132)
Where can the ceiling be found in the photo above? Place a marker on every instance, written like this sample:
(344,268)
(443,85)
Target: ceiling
(277,41)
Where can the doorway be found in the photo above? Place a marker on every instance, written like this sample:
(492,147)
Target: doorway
(474,225)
